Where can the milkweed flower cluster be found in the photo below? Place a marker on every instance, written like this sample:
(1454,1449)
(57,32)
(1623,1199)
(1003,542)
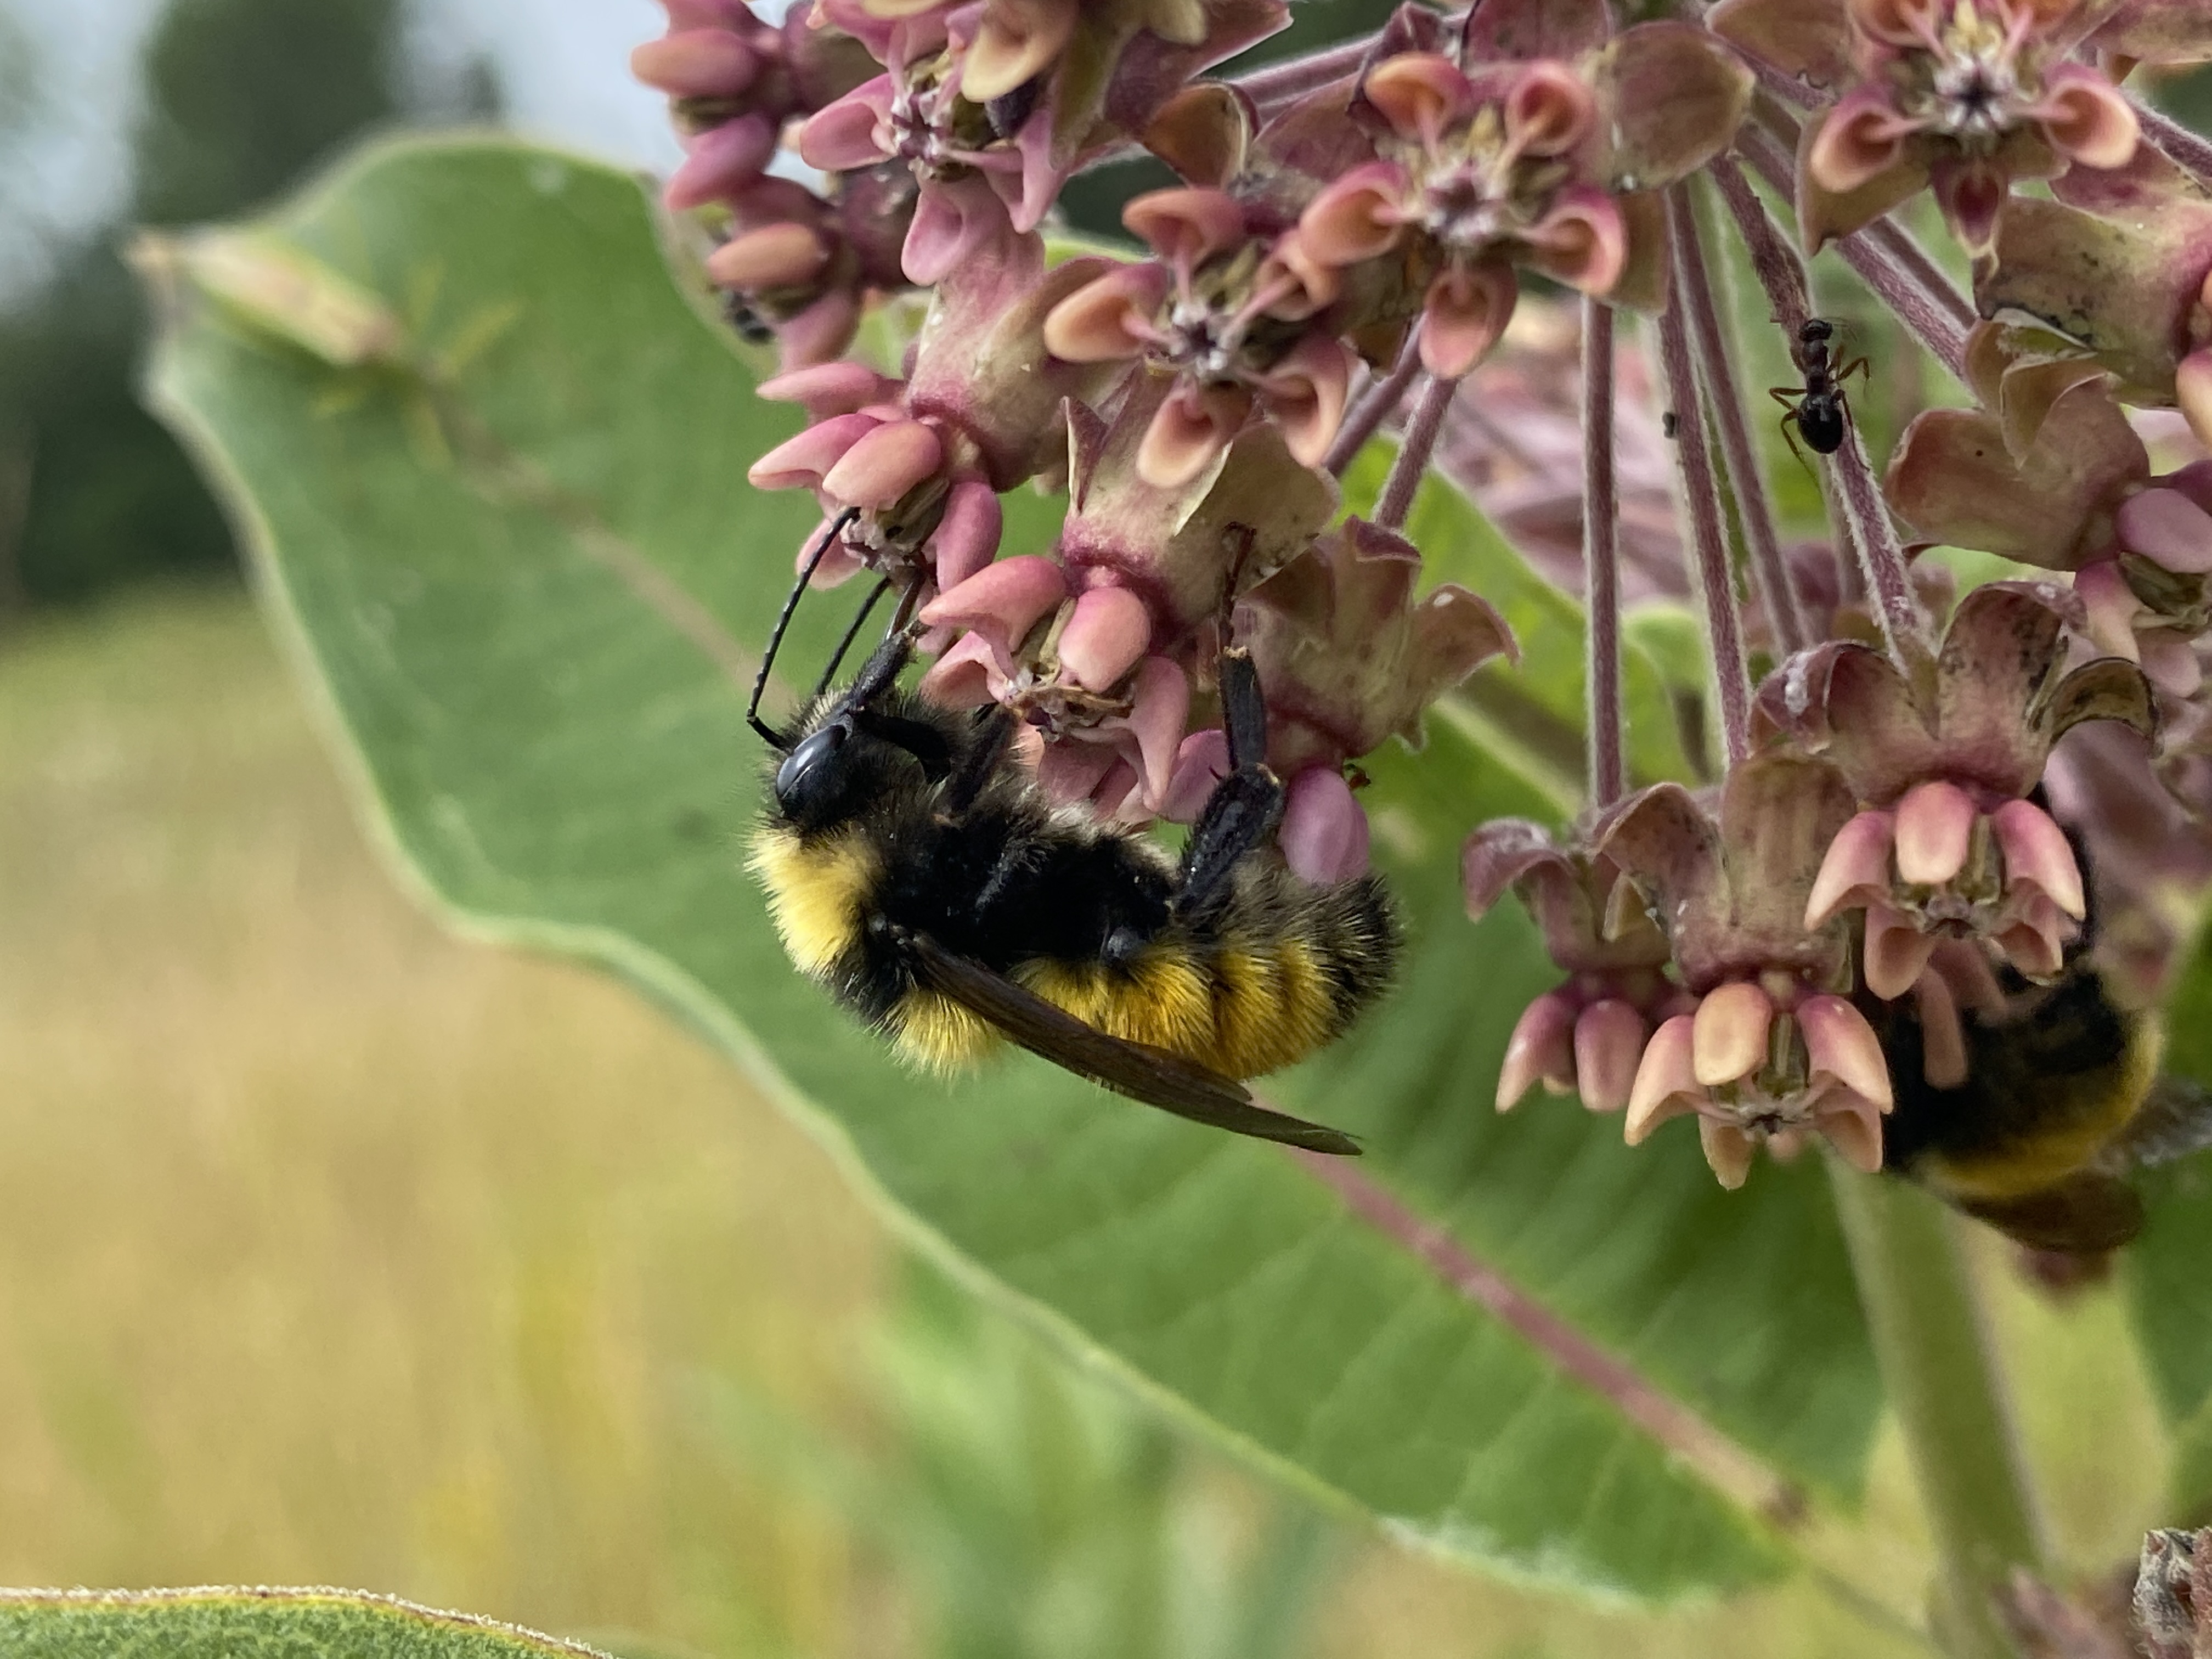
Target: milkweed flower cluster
(1881,807)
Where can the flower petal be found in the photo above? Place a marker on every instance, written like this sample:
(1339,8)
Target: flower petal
(955,222)
(1541,1048)
(2036,851)
(1191,432)
(1935,828)
(884,464)
(1729,1032)
(1467,310)
(1357,217)
(2086,119)
(719,163)
(1839,1043)
(1108,318)
(1304,395)
(2164,525)
(1727,1151)
(1608,1049)
(1105,637)
(1419,92)
(1324,835)
(1859,139)
(804,460)
(1857,867)
(1185,227)
(1000,603)
(1666,1080)
(852,132)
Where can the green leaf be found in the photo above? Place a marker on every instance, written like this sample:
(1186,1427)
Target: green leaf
(2167,1287)
(254,1624)
(520,563)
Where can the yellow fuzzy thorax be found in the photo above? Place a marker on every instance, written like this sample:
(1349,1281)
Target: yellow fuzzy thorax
(815,894)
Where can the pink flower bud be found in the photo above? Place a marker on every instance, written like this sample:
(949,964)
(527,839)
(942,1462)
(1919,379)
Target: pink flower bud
(772,257)
(1666,1083)
(1934,826)
(1105,637)
(720,162)
(709,63)
(1729,1035)
(884,464)
(803,462)
(1608,1046)
(1001,603)
(1541,1048)
(2036,852)
(2164,525)
(1839,1043)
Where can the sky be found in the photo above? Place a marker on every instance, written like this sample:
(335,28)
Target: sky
(563,67)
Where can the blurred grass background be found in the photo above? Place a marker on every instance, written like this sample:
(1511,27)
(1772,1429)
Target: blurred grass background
(335,1249)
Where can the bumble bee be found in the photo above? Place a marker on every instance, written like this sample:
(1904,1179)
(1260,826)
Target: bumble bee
(2063,1099)
(914,868)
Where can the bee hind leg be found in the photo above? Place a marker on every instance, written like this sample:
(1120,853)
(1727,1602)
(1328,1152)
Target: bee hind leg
(1245,806)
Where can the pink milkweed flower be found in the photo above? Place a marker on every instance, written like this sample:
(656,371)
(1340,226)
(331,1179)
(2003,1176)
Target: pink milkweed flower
(922,461)
(1587,1036)
(1346,652)
(1963,96)
(1772,1049)
(733,81)
(1533,162)
(2059,478)
(1231,312)
(991,154)
(807,267)
(1948,844)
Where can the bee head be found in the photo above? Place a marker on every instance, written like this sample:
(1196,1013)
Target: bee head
(853,754)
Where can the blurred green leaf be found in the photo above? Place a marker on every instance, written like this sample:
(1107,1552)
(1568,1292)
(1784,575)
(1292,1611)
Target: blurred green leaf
(253,1624)
(525,574)
(2168,1290)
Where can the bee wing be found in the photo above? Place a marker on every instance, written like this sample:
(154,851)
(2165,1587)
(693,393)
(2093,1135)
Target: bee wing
(1136,1069)
(2174,1121)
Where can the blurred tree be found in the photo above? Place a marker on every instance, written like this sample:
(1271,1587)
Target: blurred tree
(240,96)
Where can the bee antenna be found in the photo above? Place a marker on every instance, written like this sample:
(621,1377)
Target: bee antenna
(860,621)
(774,739)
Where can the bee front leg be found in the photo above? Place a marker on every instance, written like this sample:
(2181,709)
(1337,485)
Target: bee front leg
(1245,806)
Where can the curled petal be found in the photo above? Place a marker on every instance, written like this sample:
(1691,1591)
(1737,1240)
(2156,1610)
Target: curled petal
(1106,319)
(1856,867)
(1666,1080)
(1192,430)
(1016,41)
(2110,608)
(1200,763)
(1896,951)
(1839,1043)
(967,537)
(2036,851)
(2164,525)
(1108,632)
(1609,1048)
(1185,227)
(1852,1128)
(1324,830)
(1943,1036)
(955,221)
(2192,391)
(2035,944)
(2086,119)
(1583,241)
(1972,195)
(1001,603)
(1540,1049)
(1419,92)
(1729,1033)
(827,390)
(1318,281)
(1204,132)
(854,132)
(805,459)
(1357,217)
(720,162)
(1549,110)
(1305,396)
(772,257)
(1466,311)
(1727,1151)
(965,676)
(1903,23)
(707,63)
(884,464)
(1159,710)
(1935,828)
(1861,138)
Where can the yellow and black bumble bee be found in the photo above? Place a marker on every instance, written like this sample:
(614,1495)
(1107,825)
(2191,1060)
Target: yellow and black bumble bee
(2063,1100)
(914,868)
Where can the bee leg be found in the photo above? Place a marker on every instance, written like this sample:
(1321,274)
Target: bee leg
(996,731)
(1246,805)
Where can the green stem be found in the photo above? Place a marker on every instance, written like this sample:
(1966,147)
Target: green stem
(1932,1347)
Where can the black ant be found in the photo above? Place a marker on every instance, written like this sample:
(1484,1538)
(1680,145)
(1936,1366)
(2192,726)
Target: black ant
(1818,408)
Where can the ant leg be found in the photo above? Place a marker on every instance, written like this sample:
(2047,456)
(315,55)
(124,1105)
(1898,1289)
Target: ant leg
(1245,806)
(1856,365)
(1788,397)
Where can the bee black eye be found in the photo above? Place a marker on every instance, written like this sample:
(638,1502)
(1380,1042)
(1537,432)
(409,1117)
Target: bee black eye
(809,772)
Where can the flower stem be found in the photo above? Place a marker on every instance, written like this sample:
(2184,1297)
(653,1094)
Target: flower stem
(2190,152)
(1374,407)
(1932,1349)
(1608,774)
(1717,380)
(1913,289)
(1708,542)
(1880,557)
(1295,77)
(1420,443)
